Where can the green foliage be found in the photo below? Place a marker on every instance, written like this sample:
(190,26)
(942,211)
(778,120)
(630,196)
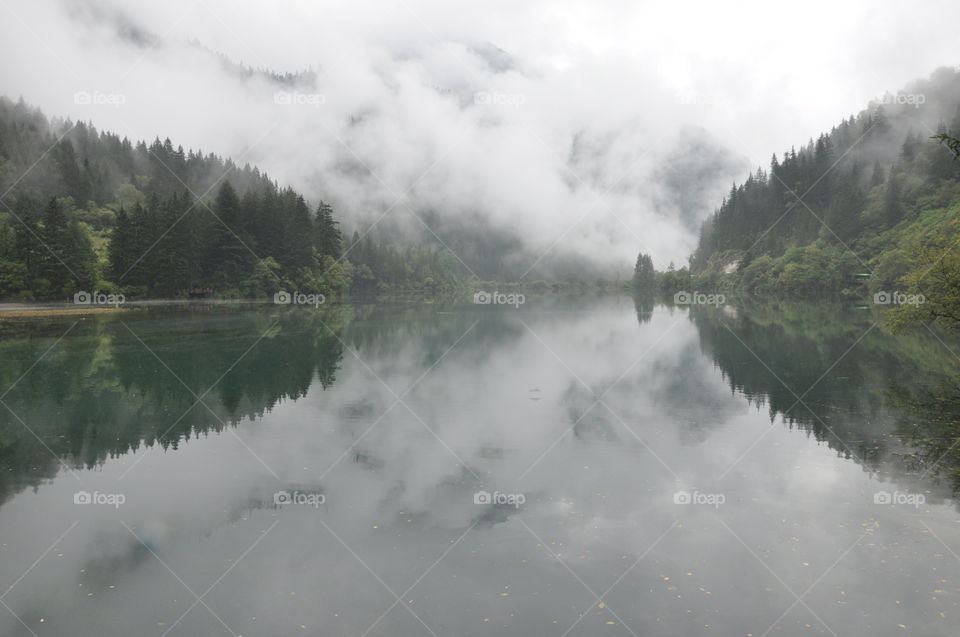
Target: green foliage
(814,271)
(889,269)
(128,195)
(935,277)
(869,207)
(950,142)
(673,281)
(870,174)
(759,276)
(262,280)
(644,276)
(13,278)
(380,267)
(48,253)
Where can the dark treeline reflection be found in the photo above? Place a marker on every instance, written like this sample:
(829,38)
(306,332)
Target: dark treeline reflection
(644,304)
(928,421)
(101,391)
(889,402)
(111,386)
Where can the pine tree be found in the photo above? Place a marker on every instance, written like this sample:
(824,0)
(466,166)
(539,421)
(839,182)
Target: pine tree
(28,246)
(66,160)
(78,255)
(172,265)
(880,124)
(843,215)
(298,252)
(892,207)
(122,243)
(140,241)
(644,276)
(877,177)
(327,232)
(911,143)
(228,257)
(54,236)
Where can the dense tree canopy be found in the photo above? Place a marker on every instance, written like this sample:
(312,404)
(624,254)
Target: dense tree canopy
(850,212)
(83,210)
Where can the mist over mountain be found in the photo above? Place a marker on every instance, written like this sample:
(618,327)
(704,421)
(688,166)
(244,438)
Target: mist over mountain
(864,197)
(547,151)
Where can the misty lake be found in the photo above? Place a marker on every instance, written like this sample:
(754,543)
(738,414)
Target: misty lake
(572,466)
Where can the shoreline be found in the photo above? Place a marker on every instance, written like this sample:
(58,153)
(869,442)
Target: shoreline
(18,311)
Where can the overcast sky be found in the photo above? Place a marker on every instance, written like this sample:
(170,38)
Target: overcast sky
(561,138)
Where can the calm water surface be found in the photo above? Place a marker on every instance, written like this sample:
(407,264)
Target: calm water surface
(569,467)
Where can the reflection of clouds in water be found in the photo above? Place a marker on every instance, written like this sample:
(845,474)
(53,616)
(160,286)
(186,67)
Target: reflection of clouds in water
(478,409)
(400,499)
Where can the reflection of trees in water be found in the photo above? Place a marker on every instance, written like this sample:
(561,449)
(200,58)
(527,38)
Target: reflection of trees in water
(100,393)
(929,422)
(644,303)
(849,408)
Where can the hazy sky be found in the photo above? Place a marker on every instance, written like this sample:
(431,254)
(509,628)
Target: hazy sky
(559,139)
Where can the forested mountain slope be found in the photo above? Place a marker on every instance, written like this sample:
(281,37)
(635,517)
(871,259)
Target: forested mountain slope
(864,198)
(82,209)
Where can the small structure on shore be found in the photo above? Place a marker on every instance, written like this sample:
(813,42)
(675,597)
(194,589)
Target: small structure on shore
(199,293)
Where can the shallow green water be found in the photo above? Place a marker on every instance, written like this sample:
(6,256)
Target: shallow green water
(571,466)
